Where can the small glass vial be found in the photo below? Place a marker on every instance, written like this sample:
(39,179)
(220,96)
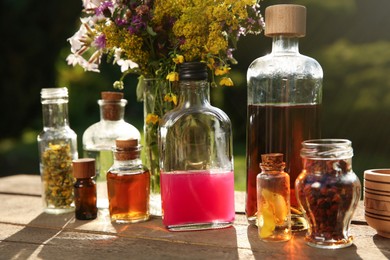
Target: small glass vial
(273,199)
(284,101)
(128,184)
(99,138)
(328,192)
(197,179)
(57,145)
(85,189)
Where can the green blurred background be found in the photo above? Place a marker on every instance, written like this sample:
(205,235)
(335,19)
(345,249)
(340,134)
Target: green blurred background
(350,39)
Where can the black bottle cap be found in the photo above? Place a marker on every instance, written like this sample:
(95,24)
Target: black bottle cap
(193,71)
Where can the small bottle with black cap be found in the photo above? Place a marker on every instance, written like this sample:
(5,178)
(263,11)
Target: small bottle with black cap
(196,160)
(85,188)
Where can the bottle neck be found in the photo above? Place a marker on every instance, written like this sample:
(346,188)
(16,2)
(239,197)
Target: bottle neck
(55,114)
(283,44)
(112,110)
(272,169)
(128,162)
(194,93)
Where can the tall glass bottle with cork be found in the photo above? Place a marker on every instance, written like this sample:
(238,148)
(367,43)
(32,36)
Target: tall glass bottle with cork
(197,180)
(99,138)
(57,145)
(284,101)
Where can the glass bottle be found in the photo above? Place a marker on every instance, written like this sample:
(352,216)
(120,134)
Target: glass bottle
(128,184)
(328,191)
(99,138)
(197,179)
(273,199)
(85,189)
(284,101)
(57,145)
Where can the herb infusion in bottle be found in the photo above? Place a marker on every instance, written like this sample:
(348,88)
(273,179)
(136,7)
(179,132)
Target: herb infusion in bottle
(57,148)
(284,99)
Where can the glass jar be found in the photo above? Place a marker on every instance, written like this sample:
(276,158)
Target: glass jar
(197,180)
(328,191)
(284,101)
(99,138)
(273,199)
(128,184)
(57,145)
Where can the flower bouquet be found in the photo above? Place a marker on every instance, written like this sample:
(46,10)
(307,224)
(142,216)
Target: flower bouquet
(151,37)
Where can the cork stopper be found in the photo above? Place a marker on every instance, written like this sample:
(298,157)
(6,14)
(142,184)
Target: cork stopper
(111,96)
(285,19)
(111,105)
(272,160)
(84,168)
(126,149)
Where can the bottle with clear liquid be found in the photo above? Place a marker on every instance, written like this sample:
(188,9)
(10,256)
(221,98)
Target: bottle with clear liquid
(197,179)
(99,138)
(284,102)
(128,184)
(57,145)
(273,199)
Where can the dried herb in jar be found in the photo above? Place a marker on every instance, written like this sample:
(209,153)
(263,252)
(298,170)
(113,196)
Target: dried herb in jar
(57,175)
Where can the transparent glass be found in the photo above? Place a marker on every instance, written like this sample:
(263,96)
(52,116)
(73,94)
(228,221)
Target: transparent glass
(57,145)
(284,103)
(273,200)
(128,185)
(197,180)
(328,192)
(99,139)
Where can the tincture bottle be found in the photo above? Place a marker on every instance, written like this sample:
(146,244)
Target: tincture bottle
(85,189)
(57,145)
(273,199)
(197,180)
(128,184)
(99,138)
(284,101)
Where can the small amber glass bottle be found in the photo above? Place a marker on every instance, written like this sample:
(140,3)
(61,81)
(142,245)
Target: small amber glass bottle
(85,188)
(128,184)
(273,199)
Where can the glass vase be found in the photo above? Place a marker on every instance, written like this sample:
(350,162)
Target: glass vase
(159,98)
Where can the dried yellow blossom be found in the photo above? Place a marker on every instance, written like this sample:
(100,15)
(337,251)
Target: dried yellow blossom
(221,71)
(225,81)
(173,76)
(178,59)
(152,119)
(170,97)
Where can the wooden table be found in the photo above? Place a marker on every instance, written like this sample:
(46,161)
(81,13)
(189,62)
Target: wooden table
(28,233)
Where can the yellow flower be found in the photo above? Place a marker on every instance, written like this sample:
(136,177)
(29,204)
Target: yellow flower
(170,97)
(173,76)
(221,71)
(151,119)
(178,59)
(225,81)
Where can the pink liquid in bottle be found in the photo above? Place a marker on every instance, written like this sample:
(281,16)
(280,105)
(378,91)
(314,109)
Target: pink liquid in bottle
(197,198)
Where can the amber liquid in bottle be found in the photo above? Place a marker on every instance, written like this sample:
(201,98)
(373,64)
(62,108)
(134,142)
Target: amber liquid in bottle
(278,129)
(128,197)
(85,199)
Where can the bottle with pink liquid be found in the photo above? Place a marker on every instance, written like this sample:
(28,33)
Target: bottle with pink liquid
(197,180)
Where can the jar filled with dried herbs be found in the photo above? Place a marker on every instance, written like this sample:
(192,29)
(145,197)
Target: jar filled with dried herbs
(328,191)
(57,145)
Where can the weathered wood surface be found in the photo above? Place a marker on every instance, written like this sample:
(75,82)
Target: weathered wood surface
(28,233)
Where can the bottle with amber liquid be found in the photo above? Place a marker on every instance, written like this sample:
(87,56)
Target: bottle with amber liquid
(85,189)
(128,183)
(273,199)
(284,100)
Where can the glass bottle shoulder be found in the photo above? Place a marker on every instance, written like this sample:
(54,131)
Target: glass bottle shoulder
(284,64)
(58,133)
(104,133)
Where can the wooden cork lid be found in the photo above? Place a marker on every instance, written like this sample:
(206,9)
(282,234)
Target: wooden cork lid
(285,19)
(272,160)
(84,168)
(127,149)
(111,96)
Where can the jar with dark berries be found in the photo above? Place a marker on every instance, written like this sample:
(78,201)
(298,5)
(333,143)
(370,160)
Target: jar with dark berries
(328,191)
